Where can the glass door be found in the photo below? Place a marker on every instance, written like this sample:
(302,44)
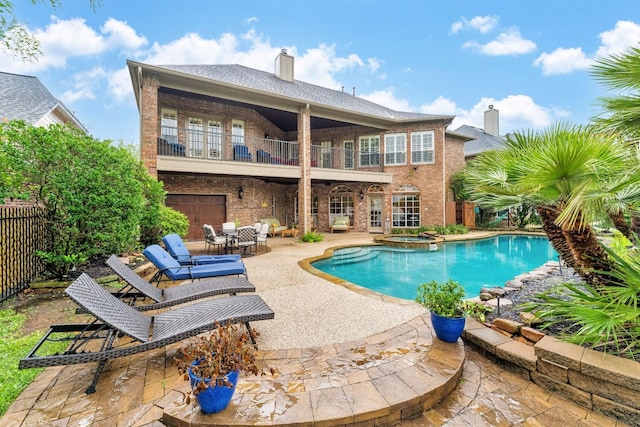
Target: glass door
(375,213)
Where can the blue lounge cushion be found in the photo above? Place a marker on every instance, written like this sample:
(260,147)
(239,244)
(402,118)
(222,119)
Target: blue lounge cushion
(180,252)
(170,267)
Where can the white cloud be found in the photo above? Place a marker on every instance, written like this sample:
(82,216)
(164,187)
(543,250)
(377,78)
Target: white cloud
(562,61)
(62,40)
(441,105)
(625,34)
(388,98)
(484,24)
(507,43)
(121,36)
(85,85)
(316,65)
(119,85)
(517,112)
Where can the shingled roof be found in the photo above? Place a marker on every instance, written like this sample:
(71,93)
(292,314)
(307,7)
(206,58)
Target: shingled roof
(26,98)
(481,141)
(269,83)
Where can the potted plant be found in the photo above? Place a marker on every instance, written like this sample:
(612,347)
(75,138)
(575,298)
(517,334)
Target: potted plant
(445,302)
(213,362)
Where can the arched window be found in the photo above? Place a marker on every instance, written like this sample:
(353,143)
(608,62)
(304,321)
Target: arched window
(341,203)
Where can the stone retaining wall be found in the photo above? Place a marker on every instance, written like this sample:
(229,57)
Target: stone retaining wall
(595,380)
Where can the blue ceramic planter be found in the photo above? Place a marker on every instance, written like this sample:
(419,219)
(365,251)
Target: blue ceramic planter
(214,399)
(447,329)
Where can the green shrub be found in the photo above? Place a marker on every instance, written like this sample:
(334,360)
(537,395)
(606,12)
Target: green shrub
(92,193)
(172,221)
(97,198)
(312,236)
(605,319)
(444,299)
(59,265)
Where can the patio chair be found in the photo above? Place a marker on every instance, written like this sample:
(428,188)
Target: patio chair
(180,252)
(241,153)
(340,223)
(261,238)
(211,239)
(137,288)
(94,342)
(245,239)
(171,269)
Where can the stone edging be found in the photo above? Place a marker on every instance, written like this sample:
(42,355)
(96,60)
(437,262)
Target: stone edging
(594,380)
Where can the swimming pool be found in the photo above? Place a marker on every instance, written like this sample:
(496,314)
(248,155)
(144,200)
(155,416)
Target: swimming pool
(474,263)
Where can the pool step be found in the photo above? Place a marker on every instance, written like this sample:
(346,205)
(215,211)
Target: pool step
(353,255)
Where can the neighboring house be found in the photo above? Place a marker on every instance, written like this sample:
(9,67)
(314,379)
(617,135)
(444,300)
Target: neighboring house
(25,98)
(482,139)
(231,142)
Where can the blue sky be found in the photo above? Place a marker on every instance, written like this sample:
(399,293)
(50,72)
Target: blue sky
(529,59)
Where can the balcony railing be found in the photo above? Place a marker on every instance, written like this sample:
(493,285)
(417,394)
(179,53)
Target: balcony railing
(190,143)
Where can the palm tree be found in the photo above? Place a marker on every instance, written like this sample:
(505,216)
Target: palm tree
(562,171)
(620,73)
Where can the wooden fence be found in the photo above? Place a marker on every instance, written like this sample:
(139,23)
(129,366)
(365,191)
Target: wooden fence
(22,232)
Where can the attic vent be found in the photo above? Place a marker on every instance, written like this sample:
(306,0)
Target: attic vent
(284,66)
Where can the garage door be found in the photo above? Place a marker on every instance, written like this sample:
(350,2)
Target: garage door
(200,209)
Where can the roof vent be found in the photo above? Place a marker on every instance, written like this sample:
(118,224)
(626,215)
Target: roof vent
(284,66)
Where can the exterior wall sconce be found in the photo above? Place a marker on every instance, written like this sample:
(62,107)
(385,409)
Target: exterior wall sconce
(240,193)
(264,204)
(361,195)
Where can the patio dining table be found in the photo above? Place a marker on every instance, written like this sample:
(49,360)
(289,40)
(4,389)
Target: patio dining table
(230,236)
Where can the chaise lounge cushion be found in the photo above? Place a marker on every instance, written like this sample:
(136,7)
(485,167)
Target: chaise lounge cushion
(274,225)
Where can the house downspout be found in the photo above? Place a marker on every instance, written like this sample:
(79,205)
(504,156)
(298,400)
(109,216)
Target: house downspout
(444,176)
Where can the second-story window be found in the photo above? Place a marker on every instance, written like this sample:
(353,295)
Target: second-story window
(349,155)
(169,125)
(194,137)
(237,132)
(214,139)
(369,150)
(395,149)
(422,147)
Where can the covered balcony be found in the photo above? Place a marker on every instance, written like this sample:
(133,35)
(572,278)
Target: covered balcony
(188,150)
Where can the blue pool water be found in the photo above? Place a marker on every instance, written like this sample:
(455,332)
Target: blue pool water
(473,263)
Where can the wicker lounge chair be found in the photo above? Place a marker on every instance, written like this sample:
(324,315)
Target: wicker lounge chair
(176,247)
(137,288)
(172,270)
(93,342)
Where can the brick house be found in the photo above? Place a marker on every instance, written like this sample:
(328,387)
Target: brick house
(231,142)
(26,98)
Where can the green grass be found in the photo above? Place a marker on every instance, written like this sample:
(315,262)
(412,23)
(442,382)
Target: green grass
(13,347)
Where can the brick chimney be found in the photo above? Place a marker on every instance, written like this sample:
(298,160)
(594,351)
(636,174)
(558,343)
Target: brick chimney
(492,121)
(284,66)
